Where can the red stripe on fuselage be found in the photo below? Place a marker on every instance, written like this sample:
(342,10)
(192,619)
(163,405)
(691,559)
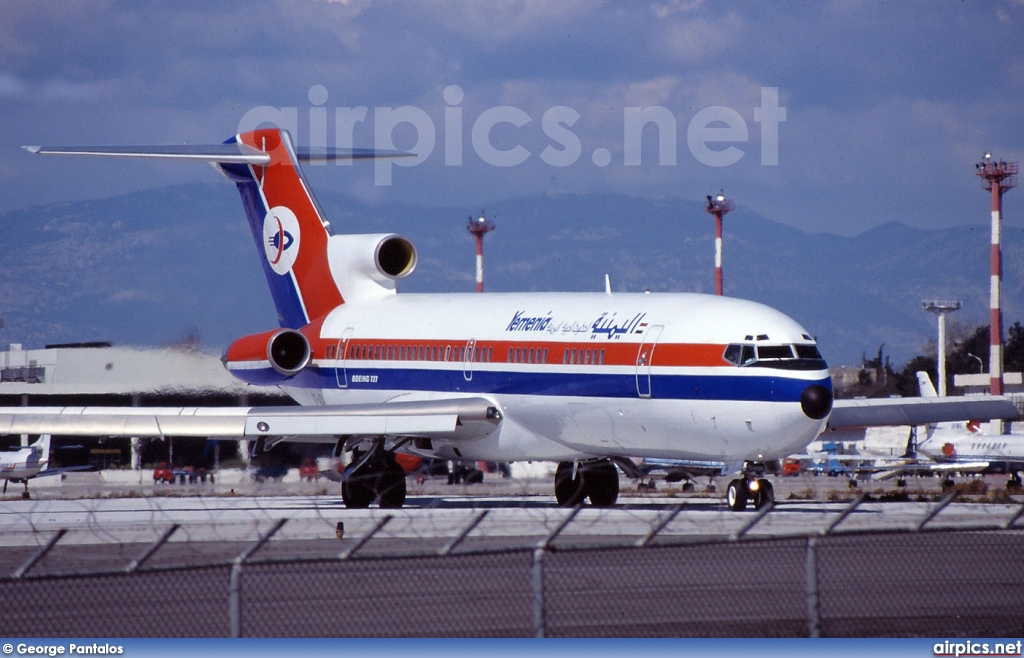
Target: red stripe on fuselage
(254,348)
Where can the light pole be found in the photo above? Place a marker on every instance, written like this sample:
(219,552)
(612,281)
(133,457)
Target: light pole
(997,178)
(718,206)
(941,309)
(479,227)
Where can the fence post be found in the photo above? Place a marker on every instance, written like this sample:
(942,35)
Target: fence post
(537,586)
(235,600)
(40,554)
(811,572)
(540,622)
(235,581)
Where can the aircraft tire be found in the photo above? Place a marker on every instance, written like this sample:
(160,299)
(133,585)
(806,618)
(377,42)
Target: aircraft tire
(569,491)
(391,487)
(736,495)
(765,494)
(601,481)
(356,492)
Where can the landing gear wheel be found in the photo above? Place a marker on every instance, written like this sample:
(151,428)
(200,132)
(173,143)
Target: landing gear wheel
(601,482)
(391,487)
(569,491)
(736,495)
(764,495)
(356,491)
(1014,483)
(901,483)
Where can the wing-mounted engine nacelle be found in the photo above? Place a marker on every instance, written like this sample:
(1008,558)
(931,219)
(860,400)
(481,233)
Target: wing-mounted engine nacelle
(368,266)
(288,352)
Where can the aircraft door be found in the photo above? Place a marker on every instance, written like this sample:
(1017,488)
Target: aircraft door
(340,355)
(467,362)
(644,357)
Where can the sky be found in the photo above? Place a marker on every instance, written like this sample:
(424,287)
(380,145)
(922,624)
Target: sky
(827,116)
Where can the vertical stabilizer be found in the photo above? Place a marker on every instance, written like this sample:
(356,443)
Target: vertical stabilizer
(289,228)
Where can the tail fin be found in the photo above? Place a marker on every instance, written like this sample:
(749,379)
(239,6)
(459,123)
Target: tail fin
(42,447)
(288,226)
(924,384)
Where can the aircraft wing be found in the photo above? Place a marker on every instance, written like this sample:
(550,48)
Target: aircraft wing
(876,412)
(64,469)
(462,418)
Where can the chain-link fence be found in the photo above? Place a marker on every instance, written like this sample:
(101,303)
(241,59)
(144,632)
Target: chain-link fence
(947,582)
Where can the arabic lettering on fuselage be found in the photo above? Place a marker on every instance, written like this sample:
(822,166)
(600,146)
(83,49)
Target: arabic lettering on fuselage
(607,325)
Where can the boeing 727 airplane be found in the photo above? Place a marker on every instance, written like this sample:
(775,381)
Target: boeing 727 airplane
(585,380)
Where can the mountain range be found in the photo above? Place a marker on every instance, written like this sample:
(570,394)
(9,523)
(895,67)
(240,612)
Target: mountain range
(177,264)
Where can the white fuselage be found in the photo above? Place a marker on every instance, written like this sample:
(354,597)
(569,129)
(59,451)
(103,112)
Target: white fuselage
(575,375)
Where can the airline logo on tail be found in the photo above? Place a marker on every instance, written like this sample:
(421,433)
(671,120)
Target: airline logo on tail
(281,238)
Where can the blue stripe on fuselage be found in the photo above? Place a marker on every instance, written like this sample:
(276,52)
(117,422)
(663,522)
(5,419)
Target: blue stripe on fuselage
(767,388)
(290,312)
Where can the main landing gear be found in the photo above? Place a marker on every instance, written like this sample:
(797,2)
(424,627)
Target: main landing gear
(752,486)
(597,480)
(374,476)
(24,494)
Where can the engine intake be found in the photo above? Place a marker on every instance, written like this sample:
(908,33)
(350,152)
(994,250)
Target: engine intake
(288,352)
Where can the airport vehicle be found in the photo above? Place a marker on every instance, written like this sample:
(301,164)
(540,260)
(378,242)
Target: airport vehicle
(163,473)
(583,379)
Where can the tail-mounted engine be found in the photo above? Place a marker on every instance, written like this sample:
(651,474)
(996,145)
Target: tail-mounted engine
(368,266)
(288,352)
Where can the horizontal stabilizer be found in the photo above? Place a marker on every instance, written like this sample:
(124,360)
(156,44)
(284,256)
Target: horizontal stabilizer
(233,153)
(230,153)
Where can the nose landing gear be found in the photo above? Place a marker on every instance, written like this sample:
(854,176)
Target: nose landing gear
(753,486)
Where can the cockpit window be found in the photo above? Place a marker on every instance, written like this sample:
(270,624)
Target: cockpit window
(774,352)
(807,352)
(786,357)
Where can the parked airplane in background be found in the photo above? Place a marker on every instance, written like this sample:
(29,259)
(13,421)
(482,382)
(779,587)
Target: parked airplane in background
(581,379)
(20,466)
(962,447)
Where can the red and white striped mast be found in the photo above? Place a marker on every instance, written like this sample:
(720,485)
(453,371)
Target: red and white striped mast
(479,227)
(718,206)
(997,177)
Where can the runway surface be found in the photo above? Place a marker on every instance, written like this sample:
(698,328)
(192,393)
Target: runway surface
(116,525)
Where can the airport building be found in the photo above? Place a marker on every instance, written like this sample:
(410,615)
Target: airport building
(98,374)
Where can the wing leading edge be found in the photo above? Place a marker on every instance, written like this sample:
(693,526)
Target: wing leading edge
(462,418)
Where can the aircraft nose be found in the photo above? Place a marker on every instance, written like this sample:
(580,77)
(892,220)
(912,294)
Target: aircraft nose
(816,401)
